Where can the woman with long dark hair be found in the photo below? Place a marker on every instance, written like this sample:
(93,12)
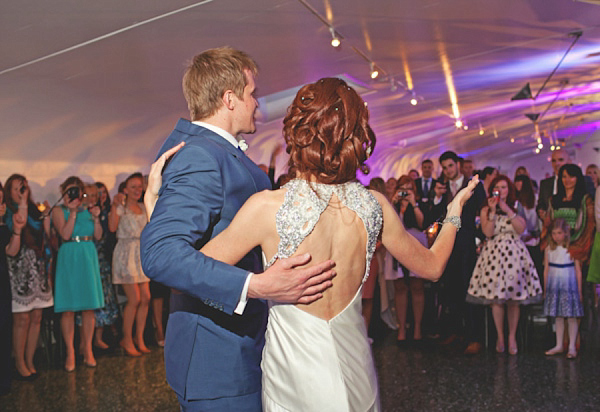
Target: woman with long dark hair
(31,288)
(572,203)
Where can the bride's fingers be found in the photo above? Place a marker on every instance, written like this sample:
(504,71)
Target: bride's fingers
(160,162)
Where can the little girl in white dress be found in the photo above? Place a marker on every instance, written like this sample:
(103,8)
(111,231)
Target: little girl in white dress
(563,287)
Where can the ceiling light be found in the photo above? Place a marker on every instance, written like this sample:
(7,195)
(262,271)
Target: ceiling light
(537,150)
(374,71)
(466,127)
(512,139)
(335,40)
(540,146)
(458,123)
(552,147)
(481,132)
(414,101)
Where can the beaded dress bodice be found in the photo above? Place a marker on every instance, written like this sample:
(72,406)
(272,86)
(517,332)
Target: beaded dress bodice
(305,202)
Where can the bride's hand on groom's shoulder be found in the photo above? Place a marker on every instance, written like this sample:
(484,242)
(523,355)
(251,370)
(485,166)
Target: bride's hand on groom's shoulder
(155,178)
(288,282)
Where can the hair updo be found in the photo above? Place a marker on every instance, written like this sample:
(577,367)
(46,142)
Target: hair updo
(327,132)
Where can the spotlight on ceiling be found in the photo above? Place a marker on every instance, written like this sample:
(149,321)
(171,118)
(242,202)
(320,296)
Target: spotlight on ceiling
(414,101)
(540,146)
(458,123)
(537,150)
(512,139)
(523,94)
(335,40)
(481,132)
(552,148)
(374,71)
(466,127)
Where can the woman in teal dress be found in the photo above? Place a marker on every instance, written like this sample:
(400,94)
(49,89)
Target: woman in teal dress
(78,283)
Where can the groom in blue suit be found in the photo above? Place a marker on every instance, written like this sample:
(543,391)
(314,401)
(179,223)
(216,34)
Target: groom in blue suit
(215,332)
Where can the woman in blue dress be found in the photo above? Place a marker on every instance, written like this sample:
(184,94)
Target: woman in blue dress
(78,283)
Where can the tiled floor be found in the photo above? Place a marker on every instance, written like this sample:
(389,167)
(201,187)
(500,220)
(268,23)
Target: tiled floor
(414,379)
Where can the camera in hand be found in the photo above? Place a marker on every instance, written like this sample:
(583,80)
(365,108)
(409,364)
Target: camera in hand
(23,188)
(496,193)
(402,193)
(73,193)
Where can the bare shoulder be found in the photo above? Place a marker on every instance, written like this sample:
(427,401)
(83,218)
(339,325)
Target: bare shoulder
(379,197)
(266,201)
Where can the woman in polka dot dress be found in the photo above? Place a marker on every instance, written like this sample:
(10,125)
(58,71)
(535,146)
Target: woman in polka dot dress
(504,273)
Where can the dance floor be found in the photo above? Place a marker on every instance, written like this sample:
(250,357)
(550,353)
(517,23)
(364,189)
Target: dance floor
(427,378)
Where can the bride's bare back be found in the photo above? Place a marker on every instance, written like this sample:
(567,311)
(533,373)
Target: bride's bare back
(339,234)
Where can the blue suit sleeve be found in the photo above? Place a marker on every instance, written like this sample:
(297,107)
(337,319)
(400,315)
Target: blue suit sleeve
(184,219)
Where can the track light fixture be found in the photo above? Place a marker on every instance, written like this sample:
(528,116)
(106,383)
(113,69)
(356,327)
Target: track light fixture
(458,123)
(374,70)
(335,40)
(525,92)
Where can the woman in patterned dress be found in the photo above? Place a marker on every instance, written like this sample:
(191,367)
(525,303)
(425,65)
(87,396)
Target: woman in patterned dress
(31,288)
(504,273)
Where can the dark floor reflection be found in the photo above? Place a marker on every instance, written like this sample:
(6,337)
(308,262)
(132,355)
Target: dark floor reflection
(428,378)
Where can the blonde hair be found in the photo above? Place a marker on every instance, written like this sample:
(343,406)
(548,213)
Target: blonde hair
(562,225)
(210,74)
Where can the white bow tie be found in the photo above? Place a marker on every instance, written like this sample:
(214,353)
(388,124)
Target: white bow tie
(243,145)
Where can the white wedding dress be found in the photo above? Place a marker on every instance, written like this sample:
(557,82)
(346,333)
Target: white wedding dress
(311,364)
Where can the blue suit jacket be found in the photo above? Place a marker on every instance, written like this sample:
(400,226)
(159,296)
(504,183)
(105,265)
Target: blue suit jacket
(210,352)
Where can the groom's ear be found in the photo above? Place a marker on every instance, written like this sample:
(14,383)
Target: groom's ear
(228,99)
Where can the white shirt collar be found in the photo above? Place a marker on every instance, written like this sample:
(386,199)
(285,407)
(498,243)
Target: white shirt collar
(458,183)
(223,133)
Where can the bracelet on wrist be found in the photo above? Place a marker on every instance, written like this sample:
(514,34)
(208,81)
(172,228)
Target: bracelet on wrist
(454,221)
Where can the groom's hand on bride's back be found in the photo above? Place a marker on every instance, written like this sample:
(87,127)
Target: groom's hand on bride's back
(288,282)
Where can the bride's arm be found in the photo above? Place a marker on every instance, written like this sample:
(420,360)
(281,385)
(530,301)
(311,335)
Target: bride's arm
(248,229)
(428,263)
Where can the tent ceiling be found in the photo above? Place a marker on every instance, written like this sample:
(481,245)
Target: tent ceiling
(99,82)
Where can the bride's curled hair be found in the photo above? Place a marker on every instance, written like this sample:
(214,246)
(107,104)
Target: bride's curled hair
(327,132)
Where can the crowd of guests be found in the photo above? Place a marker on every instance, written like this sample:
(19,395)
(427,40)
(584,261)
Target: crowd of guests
(520,243)
(68,262)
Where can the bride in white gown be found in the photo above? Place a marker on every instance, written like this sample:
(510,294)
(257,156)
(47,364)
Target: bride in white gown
(317,356)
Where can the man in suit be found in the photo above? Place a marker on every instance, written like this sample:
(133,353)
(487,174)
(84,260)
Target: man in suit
(426,183)
(458,317)
(215,332)
(549,186)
